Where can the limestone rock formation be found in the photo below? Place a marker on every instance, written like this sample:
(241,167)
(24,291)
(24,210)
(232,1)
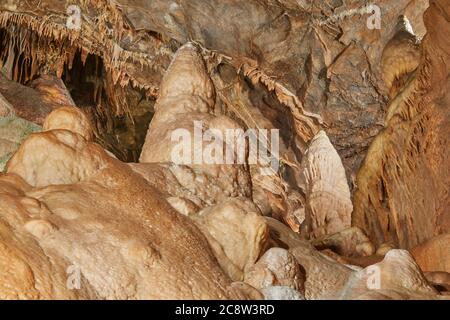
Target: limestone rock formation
(92,213)
(224,149)
(53,91)
(187,97)
(277,267)
(328,203)
(237,234)
(26,102)
(280,235)
(6,109)
(439,280)
(281,293)
(324,276)
(349,242)
(13,130)
(434,255)
(401,57)
(402,194)
(396,276)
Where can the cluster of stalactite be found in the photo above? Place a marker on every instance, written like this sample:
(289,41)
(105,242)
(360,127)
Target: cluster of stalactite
(25,55)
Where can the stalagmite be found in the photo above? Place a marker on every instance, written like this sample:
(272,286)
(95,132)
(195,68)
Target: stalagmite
(186,101)
(329,207)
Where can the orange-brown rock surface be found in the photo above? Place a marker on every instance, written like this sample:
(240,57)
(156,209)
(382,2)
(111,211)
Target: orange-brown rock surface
(277,267)
(434,254)
(133,245)
(403,184)
(335,185)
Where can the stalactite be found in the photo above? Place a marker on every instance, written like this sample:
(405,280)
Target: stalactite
(114,57)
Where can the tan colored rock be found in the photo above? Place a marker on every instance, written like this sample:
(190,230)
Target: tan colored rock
(6,109)
(440,280)
(53,91)
(93,218)
(249,291)
(236,232)
(277,199)
(281,293)
(273,55)
(414,13)
(402,194)
(324,276)
(60,157)
(353,262)
(329,206)
(397,277)
(333,255)
(261,199)
(182,186)
(233,227)
(385,248)
(118,223)
(13,130)
(277,267)
(350,242)
(115,230)
(183,206)
(39,228)
(282,236)
(188,188)
(434,254)
(69,118)
(25,102)
(400,58)
(187,96)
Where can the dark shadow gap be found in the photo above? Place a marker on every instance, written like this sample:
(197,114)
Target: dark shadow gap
(120,116)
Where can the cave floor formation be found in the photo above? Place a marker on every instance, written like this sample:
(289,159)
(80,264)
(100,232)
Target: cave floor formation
(225,149)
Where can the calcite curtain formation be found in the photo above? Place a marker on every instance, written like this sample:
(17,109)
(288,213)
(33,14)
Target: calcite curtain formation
(94,206)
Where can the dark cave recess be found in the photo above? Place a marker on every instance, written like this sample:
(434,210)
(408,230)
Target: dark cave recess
(120,116)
